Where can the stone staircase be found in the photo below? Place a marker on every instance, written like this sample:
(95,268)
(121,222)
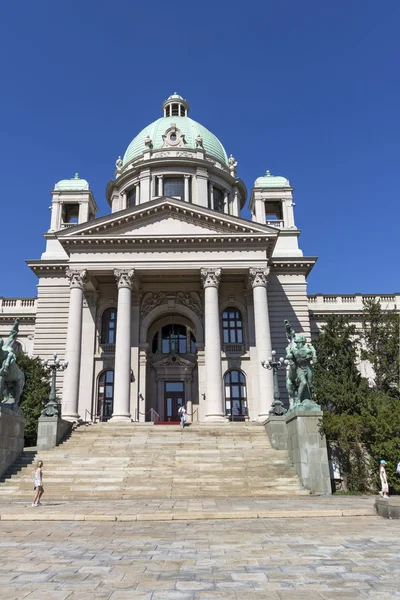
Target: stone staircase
(131,460)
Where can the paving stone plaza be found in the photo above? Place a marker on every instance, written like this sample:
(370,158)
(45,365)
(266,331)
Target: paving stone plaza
(277,559)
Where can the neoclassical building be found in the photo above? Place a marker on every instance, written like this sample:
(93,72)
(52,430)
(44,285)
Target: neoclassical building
(172,297)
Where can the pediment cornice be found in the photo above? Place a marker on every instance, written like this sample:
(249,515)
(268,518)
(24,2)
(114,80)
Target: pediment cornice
(132,219)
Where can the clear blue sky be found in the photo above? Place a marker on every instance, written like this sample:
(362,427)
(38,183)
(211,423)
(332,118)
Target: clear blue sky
(309,90)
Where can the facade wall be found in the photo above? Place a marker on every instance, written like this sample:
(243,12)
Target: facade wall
(43,331)
(52,320)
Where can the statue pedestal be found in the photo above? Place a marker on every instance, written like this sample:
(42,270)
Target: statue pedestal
(51,431)
(307,448)
(12,425)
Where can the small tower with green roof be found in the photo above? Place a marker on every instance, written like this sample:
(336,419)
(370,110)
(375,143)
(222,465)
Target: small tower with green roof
(272,204)
(72,203)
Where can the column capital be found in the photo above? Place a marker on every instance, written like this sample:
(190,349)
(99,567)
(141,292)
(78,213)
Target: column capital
(187,176)
(124,278)
(77,278)
(258,277)
(210,277)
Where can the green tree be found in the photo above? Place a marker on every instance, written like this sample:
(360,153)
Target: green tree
(35,394)
(363,421)
(381,346)
(342,393)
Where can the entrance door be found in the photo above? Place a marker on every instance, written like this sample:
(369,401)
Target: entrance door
(174,397)
(105,395)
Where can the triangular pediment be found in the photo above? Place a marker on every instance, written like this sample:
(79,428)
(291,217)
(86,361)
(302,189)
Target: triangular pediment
(166,217)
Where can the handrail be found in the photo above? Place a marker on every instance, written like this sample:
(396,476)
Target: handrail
(155,417)
(87,412)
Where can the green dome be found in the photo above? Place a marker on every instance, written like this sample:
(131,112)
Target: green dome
(75,184)
(189,128)
(271,181)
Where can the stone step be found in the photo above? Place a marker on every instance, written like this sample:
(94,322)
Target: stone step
(130,460)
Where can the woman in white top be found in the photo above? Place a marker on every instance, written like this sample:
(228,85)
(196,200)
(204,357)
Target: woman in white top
(385,486)
(38,484)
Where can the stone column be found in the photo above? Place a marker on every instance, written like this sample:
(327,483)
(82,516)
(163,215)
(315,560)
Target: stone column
(236,203)
(226,201)
(77,279)
(258,279)
(187,182)
(211,196)
(215,408)
(122,369)
(159,185)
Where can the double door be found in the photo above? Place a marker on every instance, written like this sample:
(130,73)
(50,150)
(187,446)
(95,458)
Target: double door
(174,398)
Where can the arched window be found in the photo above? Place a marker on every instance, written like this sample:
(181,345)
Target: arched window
(108,326)
(235,395)
(174,338)
(105,395)
(232,326)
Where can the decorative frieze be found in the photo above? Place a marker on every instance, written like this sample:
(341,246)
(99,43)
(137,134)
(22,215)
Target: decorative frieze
(150,301)
(191,300)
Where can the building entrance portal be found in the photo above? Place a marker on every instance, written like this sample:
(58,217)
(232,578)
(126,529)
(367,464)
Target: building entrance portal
(174,398)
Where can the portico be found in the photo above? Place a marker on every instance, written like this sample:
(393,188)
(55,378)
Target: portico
(167,337)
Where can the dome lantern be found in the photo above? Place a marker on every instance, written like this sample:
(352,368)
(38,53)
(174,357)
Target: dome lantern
(175,106)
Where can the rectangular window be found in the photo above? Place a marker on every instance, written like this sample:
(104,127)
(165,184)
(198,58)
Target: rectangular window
(131,198)
(218,200)
(174,186)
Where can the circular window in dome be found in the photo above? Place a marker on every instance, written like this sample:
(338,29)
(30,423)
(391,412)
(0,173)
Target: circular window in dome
(173,137)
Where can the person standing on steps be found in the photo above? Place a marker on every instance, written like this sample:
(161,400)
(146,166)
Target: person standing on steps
(38,484)
(182,415)
(385,486)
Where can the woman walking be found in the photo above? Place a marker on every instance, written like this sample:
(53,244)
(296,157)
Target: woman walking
(182,415)
(38,484)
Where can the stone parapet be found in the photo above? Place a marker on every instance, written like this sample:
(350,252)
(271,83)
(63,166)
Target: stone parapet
(388,508)
(276,429)
(51,431)
(12,424)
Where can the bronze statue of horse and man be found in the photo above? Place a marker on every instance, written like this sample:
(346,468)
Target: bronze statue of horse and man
(12,379)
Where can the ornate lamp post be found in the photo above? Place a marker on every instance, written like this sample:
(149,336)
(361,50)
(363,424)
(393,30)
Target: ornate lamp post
(277,407)
(52,408)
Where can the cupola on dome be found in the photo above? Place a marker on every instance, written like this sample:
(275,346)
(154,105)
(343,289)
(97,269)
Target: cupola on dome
(271,181)
(176,111)
(72,185)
